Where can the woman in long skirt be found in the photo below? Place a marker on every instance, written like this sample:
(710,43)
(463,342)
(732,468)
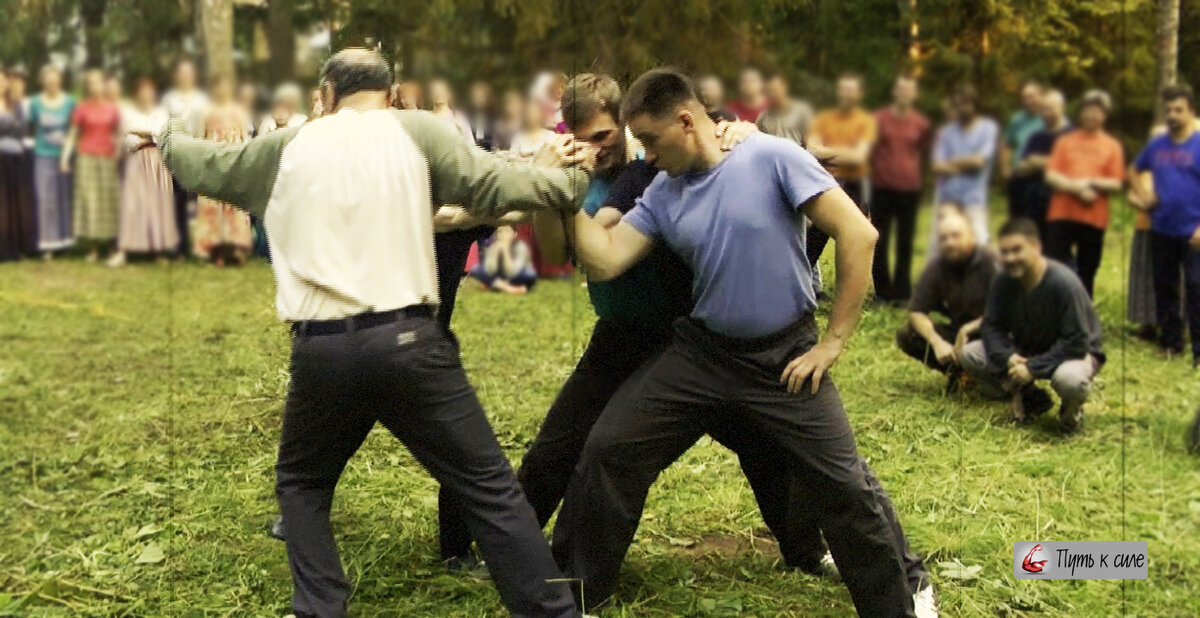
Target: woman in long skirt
(222,231)
(50,114)
(148,202)
(18,232)
(97,205)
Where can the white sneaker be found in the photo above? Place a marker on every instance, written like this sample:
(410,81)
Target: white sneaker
(925,602)
(828,567)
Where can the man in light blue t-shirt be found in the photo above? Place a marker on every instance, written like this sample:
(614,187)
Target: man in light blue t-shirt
(748,355)
(963,154)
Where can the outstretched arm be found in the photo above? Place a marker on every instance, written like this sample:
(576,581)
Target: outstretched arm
(239,174)
(488,185)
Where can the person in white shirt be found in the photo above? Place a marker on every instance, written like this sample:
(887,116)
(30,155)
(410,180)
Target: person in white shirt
(348,202)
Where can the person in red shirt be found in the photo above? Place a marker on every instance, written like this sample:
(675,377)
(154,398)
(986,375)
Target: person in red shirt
(902,136)
(752,100)
(1085,166)
(95,124)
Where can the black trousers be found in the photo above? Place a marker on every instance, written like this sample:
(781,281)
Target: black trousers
(407,376)
(1169,255)
(900,207)
(1078,245)
(181,218)
(913,344)
(703,379)
(616,351)
(816,239)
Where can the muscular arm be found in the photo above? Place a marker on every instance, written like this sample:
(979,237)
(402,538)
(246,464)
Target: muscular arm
(835,214)
(606,253)
(854,237)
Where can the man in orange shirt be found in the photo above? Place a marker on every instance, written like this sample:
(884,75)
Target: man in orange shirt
(842,136)
(1085,166)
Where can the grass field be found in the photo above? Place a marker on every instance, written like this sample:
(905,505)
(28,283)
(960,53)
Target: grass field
(140,408)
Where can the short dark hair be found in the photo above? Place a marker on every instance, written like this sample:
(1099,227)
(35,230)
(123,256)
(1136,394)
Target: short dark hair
(587,95)
(657,93)
(1020,226)
(1179,91)
(356,70)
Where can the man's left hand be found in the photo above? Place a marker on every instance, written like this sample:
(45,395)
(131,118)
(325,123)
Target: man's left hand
(1194,241)
(733,133)
(814,363)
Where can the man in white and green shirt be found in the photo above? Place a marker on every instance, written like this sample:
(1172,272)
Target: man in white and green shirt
(348,201)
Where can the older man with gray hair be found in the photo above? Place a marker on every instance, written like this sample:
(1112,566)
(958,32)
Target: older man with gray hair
(348,200)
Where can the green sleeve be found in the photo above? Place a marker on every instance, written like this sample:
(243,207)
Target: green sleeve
(484,183)
(242,175)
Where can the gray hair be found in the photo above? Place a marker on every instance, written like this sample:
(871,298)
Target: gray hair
(1098,98)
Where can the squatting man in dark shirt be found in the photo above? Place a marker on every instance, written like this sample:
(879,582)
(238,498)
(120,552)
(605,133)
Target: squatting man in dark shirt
(955,285)
(1039,325)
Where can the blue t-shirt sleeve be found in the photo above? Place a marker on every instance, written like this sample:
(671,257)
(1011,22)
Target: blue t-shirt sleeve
(800,176)
(642,218)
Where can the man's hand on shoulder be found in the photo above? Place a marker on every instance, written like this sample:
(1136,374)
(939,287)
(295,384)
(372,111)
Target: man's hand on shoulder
(733,133)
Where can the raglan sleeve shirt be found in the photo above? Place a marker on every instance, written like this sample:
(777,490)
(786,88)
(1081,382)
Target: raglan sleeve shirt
(484,183)
(239,174)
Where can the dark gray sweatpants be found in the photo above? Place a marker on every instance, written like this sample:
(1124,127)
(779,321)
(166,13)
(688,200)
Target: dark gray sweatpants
(702,379)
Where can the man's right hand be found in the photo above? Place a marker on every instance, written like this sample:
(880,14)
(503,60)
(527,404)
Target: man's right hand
(1016,359)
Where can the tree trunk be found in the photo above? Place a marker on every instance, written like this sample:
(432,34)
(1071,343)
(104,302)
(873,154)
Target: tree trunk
(1168,42)
(215,29)
(91,13)
(281,38)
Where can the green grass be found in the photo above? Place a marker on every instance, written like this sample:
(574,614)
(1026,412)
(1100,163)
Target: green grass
(140,408)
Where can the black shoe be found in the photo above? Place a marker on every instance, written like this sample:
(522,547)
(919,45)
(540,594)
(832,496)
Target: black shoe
(1037,402)
(468,565)
(277,530)
(954,380)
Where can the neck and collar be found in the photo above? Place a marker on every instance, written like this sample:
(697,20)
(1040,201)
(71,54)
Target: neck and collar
(1185,132)
(1035,274)
(363,101)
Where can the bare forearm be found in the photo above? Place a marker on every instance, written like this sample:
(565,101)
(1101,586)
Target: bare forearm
(970,164)
(923,325)
(1060,183)
(593,247)
(853,277)
(1106,185)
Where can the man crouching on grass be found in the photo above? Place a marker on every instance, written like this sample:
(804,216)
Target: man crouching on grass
(1039,325)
